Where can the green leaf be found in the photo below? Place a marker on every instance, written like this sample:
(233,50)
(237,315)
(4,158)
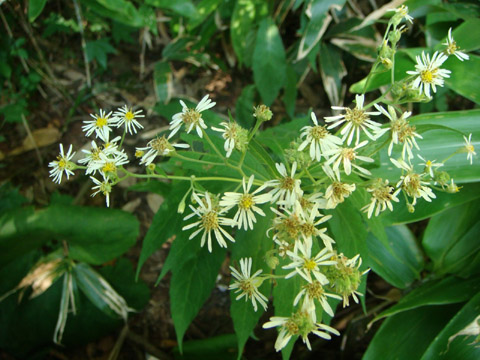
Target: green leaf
(162,79)
(166,223)
(98,50)
(250,244)
(220,347)
(122,11)
(408,335)
(105,233)
(181,7)
(290,93)
(449,346)
(259,153)
(451,240)
(35,8)
(400,263)
(465,77)
(244,107)
(269,61)
(204,9)
(332,71)
(191,285)
(450,290)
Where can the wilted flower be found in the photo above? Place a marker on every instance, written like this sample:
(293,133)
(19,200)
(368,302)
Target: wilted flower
(382,197)
(158,146)
(235,137)
(347,156)
(105,187)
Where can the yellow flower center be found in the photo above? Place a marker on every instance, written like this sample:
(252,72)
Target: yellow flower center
(318,132)
(470,149)
(349,154)
(383,193)
(109,167)
(246,202)
(191,116)
(139,153)
(291,327)
(315,289)
(427,76)
(356,116)
(210,220)
(452,47)
(129,116)
(101,122)
(308,229)
(247,287)
(310,264)
(287,183)
(62,163)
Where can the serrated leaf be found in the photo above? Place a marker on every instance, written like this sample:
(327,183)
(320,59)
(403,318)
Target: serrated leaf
(269,61)
(98,50)
(191,285)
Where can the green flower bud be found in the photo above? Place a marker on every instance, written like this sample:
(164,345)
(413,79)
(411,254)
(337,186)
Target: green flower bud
(262,113)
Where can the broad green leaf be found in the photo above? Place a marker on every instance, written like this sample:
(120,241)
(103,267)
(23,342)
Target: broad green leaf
(181,7)
(401,263)
(166,223)
(162,79)
(269,61)
(452,240)
(244,107)
(35,8)
(317,24)
(122,11)
(106,233)
(448,346)
(333,71)
(290,93)
(204,9)
(191,285)
(408,335)
(450,290)
(220,347)
(98,50)
(259,152)
(465,77)
(254,244)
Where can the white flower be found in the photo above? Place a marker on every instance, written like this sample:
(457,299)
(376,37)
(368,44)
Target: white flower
(308,226)
(346,156)
(412,183)
(453,49)
(108,164)
(305,265)
(402,131)
(192,118)
(319,139)
(247,285)
(210,221)
(62,165)
(235,137)
(128,117)
(402,12)
(105,187)
(429,166)
(382,197)
(246,203)
(356,120)
(469,148)
(337,192)
(158,146)
(429,73)
(312,291)
(301,323)
(287,189)
(100,124)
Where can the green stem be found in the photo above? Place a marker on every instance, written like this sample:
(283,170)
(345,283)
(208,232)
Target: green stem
(123,137)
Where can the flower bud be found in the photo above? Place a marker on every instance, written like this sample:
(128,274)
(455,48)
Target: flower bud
(271,260)
(262,113)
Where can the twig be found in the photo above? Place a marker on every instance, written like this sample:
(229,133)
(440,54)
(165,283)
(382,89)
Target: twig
(78,12)
(118,344)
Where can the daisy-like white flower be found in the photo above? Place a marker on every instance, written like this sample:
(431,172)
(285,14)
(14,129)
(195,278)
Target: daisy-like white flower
(108,164)
(355,121)
(286,189)
(412,183)
(247,285)
(305,265)
(428,72)
(453,49)
(158,146)
(105,187)
(211,220)
(192,118)
(100,124)
(319,139)
(308,226)
(299,324)
(126,116)
(312,291)
(62,165)
(469,148)
(336,193)
(91,156)
(402,12)
(429,166)
(347,156)
(286,225)
(402,131)
(235,137)
(382,197)
(246,203)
